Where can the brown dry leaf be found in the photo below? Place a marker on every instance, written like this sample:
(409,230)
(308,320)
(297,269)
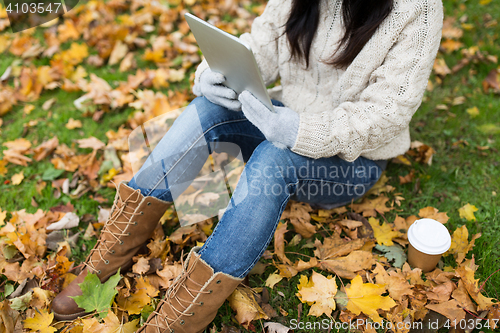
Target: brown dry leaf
(335,246)
(141,266)
(128,62)
(450,309)
(494,317)
(158,247)
(300,218)
(17,178)
(441,292)
(401,313)
(8,317)
(19,144)
(279,243)
(45,149)
(41,298)
(466,274)
(91,142)
(119,51)
(395,282)
(72,124)
(366,298)
(408,178)
(400,224)
(450,45)
(421,152)
(286,271)
(178,235)
(169,273)
(13,272)
(345,267)
(433,213)
(91,325)
(319,293)
(134,303)
(48,104)
(302,265)
(450,30)
(462,297)
(492,81)
(370,207)
(247,309)
(440,67)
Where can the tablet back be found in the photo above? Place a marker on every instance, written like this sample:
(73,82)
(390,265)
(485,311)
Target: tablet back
(230,56)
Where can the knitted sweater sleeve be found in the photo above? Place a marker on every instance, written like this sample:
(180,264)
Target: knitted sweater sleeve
(263,40)
(385,107)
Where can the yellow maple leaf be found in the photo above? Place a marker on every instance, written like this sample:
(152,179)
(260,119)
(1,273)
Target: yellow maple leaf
(473,112)
(466,274)
(433,213)
(383,233)
(3,215)
(155,56)
(40,322)
(135,302)
(460,243)
(304,282)
(320,292)
(273,279)
(17,178)
(366,298)
(3,169)
(75,54)
(28,108)
(396,283)
(112,325)
(467,211)
(247,309)
(72,124)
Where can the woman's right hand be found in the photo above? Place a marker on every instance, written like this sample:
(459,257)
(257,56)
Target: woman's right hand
(211,87)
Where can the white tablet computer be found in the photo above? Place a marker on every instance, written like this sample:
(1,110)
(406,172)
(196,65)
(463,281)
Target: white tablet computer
(230,56)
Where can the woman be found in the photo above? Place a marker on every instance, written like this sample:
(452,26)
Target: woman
(353,73)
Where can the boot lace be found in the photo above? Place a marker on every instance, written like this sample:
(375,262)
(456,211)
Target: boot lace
(160,321)
(119,209)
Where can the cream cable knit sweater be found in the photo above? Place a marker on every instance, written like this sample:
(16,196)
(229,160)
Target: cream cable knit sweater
(364,109)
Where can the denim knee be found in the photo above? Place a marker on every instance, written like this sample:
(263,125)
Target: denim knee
(274,161)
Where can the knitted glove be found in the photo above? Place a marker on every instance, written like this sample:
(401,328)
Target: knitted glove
(211,87)
(280,128)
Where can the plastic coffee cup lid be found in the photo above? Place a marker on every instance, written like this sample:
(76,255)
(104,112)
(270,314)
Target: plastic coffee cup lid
(429,236)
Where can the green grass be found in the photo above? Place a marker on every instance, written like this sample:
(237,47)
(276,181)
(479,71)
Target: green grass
(457,176)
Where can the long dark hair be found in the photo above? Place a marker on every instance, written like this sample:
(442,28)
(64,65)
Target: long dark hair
(361,20)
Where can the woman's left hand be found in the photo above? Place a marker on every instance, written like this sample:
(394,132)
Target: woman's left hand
(280,127)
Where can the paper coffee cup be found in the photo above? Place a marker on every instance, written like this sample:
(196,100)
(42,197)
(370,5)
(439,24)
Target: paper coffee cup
(429,239)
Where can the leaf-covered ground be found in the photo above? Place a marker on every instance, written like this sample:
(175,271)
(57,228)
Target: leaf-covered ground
(72,91)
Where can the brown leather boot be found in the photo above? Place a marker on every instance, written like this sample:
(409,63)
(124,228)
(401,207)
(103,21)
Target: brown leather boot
(132,220)
(192,301)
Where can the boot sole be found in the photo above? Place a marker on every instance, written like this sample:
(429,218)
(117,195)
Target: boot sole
(69,317)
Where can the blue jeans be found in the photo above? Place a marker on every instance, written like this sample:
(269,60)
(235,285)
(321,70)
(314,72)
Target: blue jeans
(272,176)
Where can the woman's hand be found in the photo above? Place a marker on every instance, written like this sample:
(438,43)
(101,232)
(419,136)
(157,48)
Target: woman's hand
(211,87)
(280,128)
